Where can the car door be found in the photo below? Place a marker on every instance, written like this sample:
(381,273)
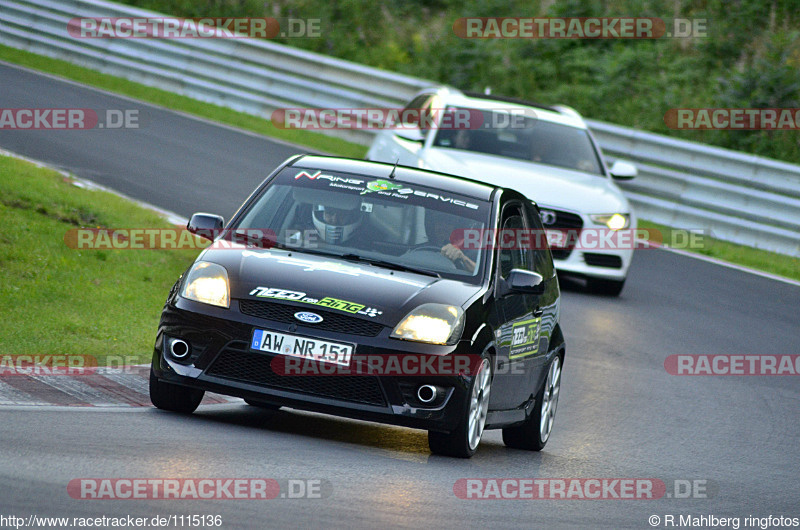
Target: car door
(548,303)
(522,345)
(405,141)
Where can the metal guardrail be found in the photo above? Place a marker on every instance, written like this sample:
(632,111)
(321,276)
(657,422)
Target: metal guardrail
(252,76)
(741,198)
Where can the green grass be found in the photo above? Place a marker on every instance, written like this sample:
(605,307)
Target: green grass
(754,258)
(59,301)
(314,141)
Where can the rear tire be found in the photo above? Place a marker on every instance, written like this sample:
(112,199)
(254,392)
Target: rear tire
(605,287)
(464,440)
(534,433)
(175,398)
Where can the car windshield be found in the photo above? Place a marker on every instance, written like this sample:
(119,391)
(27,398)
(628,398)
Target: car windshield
(524,138)
(387,223)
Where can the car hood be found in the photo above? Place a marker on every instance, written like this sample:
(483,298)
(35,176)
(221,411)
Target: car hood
(386,295)
(547,185)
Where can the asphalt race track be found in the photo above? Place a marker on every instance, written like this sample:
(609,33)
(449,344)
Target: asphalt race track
(171,161)
(621,415)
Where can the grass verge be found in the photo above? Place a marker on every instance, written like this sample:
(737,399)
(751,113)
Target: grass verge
(180,103)
(59,301)
(754,258)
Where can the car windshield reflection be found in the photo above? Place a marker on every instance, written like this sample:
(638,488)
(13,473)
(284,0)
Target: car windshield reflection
(384,223)
(523,138)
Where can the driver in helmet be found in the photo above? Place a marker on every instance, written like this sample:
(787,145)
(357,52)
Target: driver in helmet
(336,226)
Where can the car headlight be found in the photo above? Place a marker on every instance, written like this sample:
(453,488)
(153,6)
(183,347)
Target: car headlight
(615,221)
(432,323)
(207,283)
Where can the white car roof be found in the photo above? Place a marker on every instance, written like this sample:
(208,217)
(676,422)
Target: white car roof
(456,98)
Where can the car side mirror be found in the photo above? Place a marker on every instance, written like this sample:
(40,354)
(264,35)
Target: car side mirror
(411,134)
(206,225)
(622,170)
(523,281)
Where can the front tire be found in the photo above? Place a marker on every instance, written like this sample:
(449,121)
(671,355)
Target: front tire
(534,433)
(464,440)
(175,398)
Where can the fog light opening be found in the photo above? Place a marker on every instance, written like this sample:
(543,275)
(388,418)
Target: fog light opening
(179,349)
(426,393)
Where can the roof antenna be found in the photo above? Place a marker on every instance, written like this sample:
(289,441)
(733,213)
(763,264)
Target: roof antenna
(391,175)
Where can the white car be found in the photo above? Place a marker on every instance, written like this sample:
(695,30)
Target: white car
(547,153)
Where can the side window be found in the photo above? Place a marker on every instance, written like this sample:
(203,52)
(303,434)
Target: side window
(513,257)
(542,259)
(418,105)
(433,113)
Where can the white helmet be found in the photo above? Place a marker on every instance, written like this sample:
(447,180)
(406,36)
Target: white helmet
(340,224)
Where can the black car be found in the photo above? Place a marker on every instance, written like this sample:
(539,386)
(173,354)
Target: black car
(375,292)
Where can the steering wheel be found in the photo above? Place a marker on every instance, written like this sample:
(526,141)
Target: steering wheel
(434,261)
(426,248)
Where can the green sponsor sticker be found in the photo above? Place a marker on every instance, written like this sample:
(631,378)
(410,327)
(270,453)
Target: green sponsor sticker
(341,305)
(525,338)
(327,302)
(381,185)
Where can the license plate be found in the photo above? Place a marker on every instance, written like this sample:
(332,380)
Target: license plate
(303,347)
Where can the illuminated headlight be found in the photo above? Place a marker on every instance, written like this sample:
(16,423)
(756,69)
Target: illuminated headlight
(432,323)
(615,221)
(207,283)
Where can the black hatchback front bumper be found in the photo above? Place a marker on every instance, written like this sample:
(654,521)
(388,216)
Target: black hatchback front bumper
(220,360)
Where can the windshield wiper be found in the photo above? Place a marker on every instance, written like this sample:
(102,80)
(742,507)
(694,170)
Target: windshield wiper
(389,265)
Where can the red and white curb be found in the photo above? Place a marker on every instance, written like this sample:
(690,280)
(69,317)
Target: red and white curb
(107,387)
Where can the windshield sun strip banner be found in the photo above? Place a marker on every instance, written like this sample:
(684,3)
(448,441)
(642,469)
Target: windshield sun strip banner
(419,195)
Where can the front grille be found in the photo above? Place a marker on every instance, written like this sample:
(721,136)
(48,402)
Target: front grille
(564,220)
(237,363)
(561,253)
(330,321)
(603,260)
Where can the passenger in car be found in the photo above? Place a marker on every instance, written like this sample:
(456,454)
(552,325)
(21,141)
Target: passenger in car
(461,140)
(440,231)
